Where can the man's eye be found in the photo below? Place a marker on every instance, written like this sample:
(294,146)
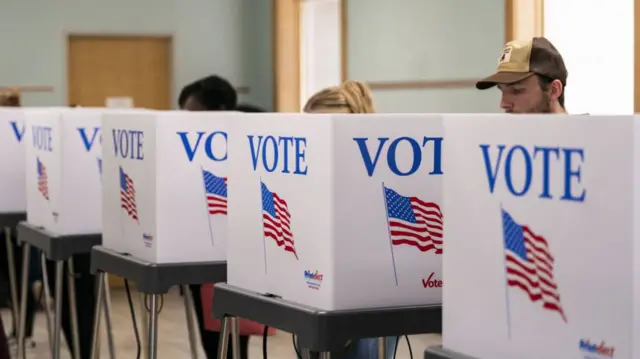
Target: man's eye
(517,91)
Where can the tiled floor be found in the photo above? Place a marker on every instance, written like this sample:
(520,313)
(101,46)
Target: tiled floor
(173,339)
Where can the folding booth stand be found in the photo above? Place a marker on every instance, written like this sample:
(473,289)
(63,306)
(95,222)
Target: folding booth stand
(154,280)
(442,353)
(318,331)
(59,249)
(9,221)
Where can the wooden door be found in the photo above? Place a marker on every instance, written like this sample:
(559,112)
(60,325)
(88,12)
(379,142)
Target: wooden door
(120,66)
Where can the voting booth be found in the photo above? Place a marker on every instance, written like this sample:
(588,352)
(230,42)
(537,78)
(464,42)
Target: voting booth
(165,185)
(542,238)
(337,212)
(12,164)
(63,170)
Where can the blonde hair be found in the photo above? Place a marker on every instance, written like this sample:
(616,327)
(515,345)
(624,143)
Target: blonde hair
(350,97)
(10,98)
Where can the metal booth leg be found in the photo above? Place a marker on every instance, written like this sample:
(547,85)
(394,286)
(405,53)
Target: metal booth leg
(382,348)
(188,306)
(95,351)
(48,302)
(145,321)
(325,355)
(235,338)
(24,291)
(13,285)
(152,344)
(57,323)
(107,316)
(223,344)
(306,353)
(73,310)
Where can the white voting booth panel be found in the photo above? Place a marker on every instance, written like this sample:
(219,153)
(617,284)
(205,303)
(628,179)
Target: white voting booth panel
(336,212)
(165,189)
(63,170)
(12,170)
(542,244)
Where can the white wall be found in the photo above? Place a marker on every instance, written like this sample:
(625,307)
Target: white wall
(413,40)
(596,41)
(231,38)
(320,46)
(406,40)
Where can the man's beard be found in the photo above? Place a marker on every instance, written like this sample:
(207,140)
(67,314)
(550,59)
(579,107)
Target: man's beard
(544,106)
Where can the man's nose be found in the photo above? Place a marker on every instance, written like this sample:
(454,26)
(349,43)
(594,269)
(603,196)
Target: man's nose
(505,105)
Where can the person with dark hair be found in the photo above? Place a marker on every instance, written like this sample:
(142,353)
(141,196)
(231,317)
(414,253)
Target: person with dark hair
(212,93)
(245,107)
(532,77)
(186,91)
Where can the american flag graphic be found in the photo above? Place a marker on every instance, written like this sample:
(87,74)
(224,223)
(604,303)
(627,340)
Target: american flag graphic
(414,222)
(216,192)
(277,220)
(43,181)
(128,195)
(529,264)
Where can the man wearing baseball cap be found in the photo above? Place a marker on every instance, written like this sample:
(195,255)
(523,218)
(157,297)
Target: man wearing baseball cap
(531,76)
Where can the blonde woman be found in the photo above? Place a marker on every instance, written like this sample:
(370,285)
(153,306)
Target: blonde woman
(350,97)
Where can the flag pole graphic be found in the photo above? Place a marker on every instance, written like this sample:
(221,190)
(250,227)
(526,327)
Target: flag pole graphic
(506,280)
(122,221)
(264,240)
(206,205)
(386,213)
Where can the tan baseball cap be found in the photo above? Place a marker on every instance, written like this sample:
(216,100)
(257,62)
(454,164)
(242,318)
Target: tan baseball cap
(522,59)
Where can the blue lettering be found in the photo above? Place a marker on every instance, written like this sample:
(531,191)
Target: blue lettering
(568,156)
(285,142)
(570,172)
(301,161)
(42,138)
(273,153)
(88,141)
(370,163)
(546,172)
(528,170)
(265,154)
(191,150)
(128,143)
(391,156)
(437,153)
(19,132)
(492,171)
(255,150)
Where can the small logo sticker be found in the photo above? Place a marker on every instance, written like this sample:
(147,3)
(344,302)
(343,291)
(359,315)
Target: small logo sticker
(147,239)
(313,279)
(594,350)
(432,282)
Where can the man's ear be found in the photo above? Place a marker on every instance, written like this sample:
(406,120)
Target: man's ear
(555,89)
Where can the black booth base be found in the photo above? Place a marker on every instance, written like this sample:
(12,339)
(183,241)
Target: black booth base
(442,353)
(323,331)
(12,219)
(57,247)
(156,278)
